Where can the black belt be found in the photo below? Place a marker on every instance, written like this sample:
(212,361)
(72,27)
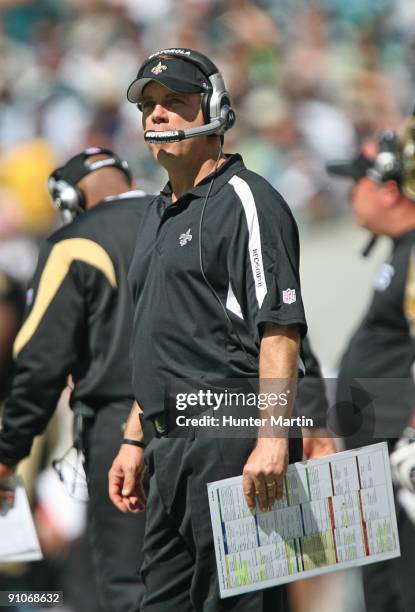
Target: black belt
(83,416)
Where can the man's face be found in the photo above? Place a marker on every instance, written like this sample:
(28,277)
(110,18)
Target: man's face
(164,109)
(367,194)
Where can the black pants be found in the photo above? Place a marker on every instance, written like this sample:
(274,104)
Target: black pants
(179,570)
(116,538)
(389,586)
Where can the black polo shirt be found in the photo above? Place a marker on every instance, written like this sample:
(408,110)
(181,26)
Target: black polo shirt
(207,272)
(382,348)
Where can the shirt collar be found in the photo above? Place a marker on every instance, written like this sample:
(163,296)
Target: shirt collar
(406,236)
(221,176)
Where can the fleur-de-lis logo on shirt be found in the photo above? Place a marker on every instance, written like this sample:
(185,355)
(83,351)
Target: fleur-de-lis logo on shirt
(185,238)
(159,68)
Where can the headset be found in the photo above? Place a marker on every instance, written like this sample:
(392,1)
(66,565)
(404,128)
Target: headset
(217,111)
(62,183)
(387,165)
(396,159)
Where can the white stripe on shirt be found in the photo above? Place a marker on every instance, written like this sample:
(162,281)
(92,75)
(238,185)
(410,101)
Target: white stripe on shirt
(232,303)
(244,193)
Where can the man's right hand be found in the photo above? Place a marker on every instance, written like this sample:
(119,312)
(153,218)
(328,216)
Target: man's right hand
(125,479)
(6,493)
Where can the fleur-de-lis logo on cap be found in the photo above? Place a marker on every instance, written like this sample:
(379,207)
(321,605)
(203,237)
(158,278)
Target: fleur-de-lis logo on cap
(159,68)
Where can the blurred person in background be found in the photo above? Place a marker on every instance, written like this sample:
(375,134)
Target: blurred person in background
(17,253)
(311,402)
(11,314)
(11,317)
(77,323)
(403,468)
(382,349)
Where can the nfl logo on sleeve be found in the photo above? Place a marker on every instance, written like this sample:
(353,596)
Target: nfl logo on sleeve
(288,296)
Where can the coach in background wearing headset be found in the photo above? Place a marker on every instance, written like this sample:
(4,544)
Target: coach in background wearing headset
(383,346)
(216,289)
(78,322)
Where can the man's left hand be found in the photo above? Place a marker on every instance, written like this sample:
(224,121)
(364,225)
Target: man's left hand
(263,473)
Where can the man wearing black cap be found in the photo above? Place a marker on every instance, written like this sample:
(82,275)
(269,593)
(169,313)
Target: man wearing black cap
(217,296)
(77,323)
(381,352)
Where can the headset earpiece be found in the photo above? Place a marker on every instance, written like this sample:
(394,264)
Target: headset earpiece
(66,197)
(205,104)
(387,164)
(216,104)
(396,159)
(228,114)
(62,183)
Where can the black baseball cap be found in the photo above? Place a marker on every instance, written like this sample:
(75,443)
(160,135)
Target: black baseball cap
(355,168)
(77,167)
(177,74)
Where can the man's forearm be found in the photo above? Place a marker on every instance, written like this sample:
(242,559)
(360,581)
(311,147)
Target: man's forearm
(278,371)
(278,355)
(133,429)
(263,473)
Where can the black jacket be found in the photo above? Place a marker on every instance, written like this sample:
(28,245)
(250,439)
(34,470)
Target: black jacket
(376,370)
(78,322)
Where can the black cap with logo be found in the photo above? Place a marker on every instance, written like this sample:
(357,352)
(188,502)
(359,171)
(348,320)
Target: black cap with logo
(176,73)
(355,168)
(78,166)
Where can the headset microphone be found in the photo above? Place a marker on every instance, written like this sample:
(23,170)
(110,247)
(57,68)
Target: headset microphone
(177,135)
(366,251)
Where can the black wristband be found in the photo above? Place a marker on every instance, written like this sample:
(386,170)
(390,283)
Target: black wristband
(133,442)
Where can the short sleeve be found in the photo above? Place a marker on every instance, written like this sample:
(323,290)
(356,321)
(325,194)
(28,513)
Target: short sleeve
(282,303)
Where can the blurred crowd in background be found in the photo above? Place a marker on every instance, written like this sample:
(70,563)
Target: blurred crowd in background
(309,80)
